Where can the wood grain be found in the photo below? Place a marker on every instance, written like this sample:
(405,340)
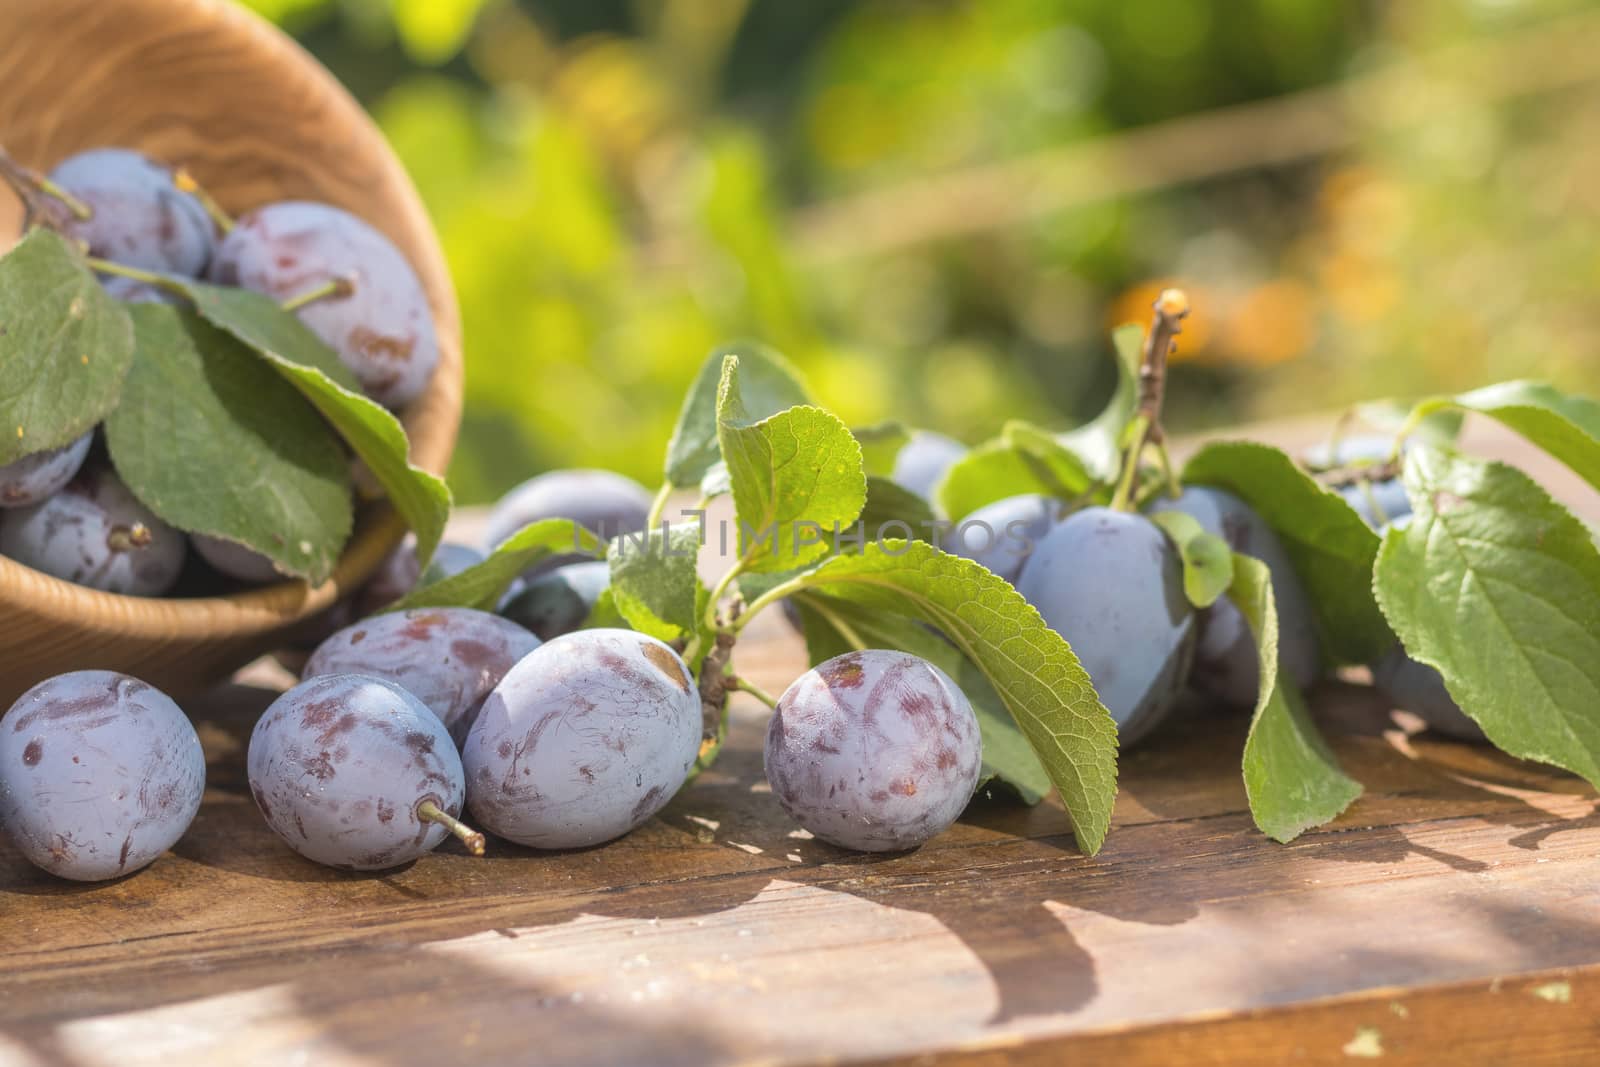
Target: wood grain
(203,84)
(1449,916)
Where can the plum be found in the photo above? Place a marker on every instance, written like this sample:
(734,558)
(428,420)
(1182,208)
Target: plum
(874,750)
(1419,689)
(1403,681)
(1002,535)
(100,773)
(139,217)
(380,325)
(1226,665)
(602,502)
(34,477)
(356,773)
(235,560)
(558,602)
(1111,583)
(448,658)
(921,464)
(95,533)
(586,738)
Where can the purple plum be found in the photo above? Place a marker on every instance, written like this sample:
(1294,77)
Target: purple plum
(874,750)
(100,774)
(583,740)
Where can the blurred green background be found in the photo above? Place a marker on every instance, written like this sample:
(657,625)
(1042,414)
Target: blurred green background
(937,208)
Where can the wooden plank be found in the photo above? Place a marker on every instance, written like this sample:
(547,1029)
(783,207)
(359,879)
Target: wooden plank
(1452,908)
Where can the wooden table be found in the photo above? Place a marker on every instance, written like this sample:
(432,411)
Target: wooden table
(1454,909)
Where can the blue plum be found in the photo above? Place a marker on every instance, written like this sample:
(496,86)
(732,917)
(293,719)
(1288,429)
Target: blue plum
(95,533)
(448,658)
(356,773)
(1001,536)
(1419,689)
(382,327)
(1404,682)
(1226,665)
(602,502)
(139,216)
(921,464)
(876,750)
(559,601)
(583,740)
(235,560)
(1111,583)
(99,774)
(34,477)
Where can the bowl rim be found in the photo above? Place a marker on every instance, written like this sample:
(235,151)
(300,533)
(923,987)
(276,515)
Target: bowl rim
(431,421)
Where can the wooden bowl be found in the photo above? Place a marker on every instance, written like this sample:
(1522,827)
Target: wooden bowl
(204,84)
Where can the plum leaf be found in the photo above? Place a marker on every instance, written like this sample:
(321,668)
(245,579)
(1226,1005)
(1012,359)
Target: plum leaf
(1566,426)
(259,466)
(1207,560)
(1497,586)
(880,444)
(1023,459)
(795,476)
(1032,668)
(1331,547)
(1099,442)
(1291,777)
(370,429)
(770,384)
(65,347)
(482,585)
(833,627)
(890,504)
(655,584)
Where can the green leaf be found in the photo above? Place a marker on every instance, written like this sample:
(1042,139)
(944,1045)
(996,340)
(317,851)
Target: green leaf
(370,429)
(261,323)
(880,444)
(1030,666)
(769,386)
(1099,442)
(212,440)
(833,627)
(1291,777)
(604,615)
(1497,586)
(1566,426)
(795,476)
(655,584)
(1207,559)
(891,503)
(65,347)
(1024,459)
(481,586)
(1331,548)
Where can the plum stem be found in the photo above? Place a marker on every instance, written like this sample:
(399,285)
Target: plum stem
(1170,309)
(431,812)
(739,683)
(149,277)
(186,183)
(658,506)
(333,289)
(29,183)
